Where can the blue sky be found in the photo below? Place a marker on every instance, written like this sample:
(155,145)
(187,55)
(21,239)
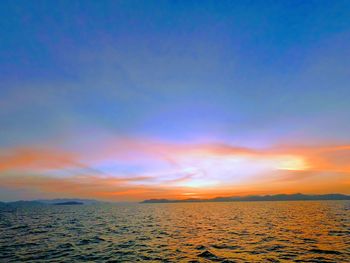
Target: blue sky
(245,73)
(241,71)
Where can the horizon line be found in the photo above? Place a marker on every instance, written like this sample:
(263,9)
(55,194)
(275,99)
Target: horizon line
(173,200)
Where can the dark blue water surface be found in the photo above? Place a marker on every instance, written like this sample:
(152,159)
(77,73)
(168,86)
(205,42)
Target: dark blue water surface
(309,231)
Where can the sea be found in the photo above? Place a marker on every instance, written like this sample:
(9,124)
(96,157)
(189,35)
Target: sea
(289,231)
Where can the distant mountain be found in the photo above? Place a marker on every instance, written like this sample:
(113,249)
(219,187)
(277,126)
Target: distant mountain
(66,201)
(278,197)
(62,200)
(69,203)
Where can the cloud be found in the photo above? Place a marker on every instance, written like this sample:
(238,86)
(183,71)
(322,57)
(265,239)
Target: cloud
(166,169)
(33,158)
(87,186)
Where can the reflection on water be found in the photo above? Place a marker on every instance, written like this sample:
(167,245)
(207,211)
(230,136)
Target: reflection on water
(188,232)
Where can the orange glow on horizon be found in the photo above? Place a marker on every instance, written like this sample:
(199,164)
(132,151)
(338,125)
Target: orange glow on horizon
(176,171)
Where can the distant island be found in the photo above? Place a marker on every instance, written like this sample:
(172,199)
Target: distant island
(69,203)
(255,198)
(63,201)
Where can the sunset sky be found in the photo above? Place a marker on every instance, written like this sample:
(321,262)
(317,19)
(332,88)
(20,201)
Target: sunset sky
(130,100)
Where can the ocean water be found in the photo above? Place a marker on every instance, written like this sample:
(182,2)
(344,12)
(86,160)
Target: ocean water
(307,231)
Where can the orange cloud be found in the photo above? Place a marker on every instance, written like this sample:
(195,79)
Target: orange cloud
(193,170)
(33,158)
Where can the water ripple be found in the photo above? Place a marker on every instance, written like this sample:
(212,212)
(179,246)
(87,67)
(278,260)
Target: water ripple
(190,232)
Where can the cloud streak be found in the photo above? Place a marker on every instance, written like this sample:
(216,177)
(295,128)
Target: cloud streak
(171,169)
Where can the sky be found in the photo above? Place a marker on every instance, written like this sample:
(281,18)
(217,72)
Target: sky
(130,100)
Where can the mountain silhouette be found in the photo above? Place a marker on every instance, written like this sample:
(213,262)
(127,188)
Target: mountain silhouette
(64,201)
(277,197)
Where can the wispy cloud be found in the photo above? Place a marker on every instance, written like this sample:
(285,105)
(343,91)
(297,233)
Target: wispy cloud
(171,169)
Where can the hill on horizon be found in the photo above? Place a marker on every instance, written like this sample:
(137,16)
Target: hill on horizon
(277,197)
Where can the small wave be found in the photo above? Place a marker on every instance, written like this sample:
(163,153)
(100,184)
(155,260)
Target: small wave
(95,239)
(223,246)
(126,244)
(200,247)
(208,255)
(275,248)
(65,246)
(19,227)
(309,240)
(323,251)
(338,233)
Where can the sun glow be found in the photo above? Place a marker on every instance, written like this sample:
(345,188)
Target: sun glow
(164,170)
(212,169)
(294,163)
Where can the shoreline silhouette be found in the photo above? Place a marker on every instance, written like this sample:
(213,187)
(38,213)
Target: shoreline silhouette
(255,198)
